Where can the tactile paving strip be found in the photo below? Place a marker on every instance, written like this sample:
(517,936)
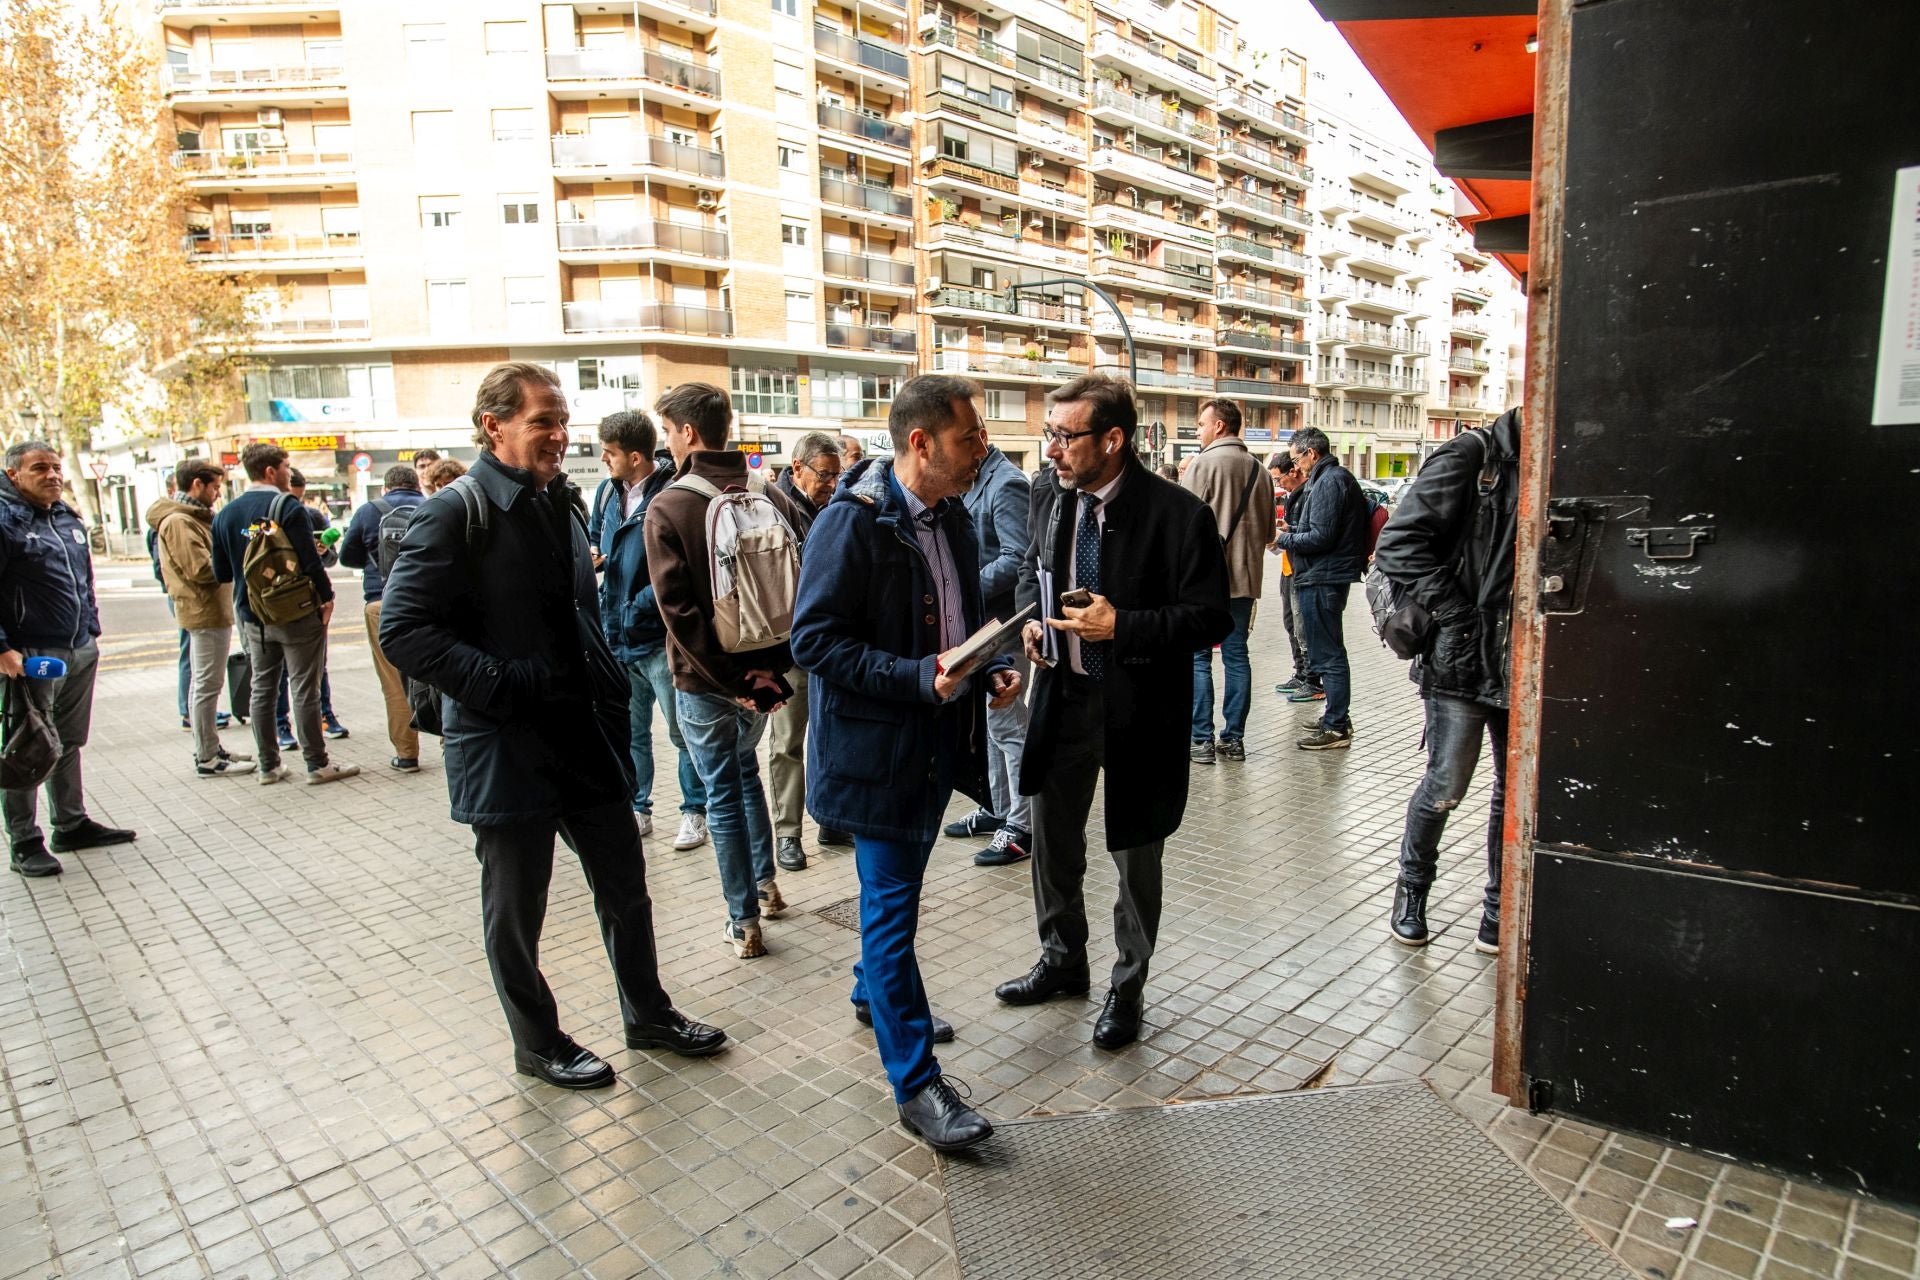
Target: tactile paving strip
(1369,1183)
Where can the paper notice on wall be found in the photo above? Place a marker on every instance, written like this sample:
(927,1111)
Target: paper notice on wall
(1896,379)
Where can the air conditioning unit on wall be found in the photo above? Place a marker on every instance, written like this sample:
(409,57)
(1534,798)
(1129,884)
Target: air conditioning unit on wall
(707,199)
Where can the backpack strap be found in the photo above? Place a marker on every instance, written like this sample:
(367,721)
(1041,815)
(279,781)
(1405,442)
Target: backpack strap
(475,502)
(383,506)
(697,484)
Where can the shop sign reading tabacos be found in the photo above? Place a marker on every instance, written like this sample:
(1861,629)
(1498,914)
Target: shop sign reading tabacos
(302,444)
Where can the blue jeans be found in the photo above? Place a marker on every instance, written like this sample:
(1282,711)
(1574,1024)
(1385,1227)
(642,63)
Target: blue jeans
(721,736)
(650,681)
(1322,611)
(1453,752)
(886,978)
(1239,670)
(186,665)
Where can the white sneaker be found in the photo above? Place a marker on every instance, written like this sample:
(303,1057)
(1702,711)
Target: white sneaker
(771,903)
(693,831)
(223,767)
(279,773)
(645,822)
(331,773)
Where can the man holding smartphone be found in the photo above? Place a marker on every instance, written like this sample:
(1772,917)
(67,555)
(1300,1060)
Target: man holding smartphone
(1128,571)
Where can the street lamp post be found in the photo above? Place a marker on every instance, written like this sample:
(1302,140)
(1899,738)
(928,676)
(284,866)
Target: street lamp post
(1126,333)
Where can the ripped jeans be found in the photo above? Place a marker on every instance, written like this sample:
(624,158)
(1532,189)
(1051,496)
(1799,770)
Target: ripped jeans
(1453,751)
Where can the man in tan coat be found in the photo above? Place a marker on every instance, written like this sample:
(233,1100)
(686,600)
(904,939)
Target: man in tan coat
(203,605)
(1238,490)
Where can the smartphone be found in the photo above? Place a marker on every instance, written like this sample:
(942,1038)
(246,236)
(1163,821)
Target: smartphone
(1078,598)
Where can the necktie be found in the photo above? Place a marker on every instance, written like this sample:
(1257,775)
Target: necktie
(1086,570)
(928,518)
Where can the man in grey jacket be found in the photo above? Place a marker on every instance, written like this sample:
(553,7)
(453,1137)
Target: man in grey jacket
(1239,492)
(998,503)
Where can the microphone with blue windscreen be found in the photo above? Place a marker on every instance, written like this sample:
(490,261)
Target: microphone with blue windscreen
(45,668)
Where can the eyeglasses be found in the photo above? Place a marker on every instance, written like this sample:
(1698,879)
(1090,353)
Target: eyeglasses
(824,475)
(1066,437)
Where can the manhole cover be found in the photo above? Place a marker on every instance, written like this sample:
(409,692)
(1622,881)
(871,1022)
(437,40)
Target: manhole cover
(1379,1182)
(845,913)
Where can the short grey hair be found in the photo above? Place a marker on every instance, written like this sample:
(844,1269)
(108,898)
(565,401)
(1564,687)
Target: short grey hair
(814,444)
(17,453)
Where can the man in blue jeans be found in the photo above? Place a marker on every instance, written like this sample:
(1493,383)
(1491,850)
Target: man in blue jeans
(1327,542)
(722,697)
(891,582)
(1239,492)
(629,617)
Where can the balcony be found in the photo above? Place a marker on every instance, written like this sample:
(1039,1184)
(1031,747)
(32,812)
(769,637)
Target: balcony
(1473,294)
(1151,167)
(580,72)
(1332,286)
(1247,154)
(869,129)
(1262,253)
(874,338)
(683,15)
(257,86)
(1467,322)
(1372,253)
(859,54)
(997,366)
(1380,297)
(187,14)
(1382,215)
(646,317)
(1238,102)
(1056,84)
(1281,212)
(1127,110)
(1112,213)
(270,329)
(977,238)
(884,273)
(945,168)
(1197,384)
(976,44)
(1056,141)
(1262,300)
(311,251)
(1154,329)
(1152,63)
(1027,306)
(1253,340)
(866,198)
(265,170)
(1364,335)
(1263,389)
(636,155)
(1467,364)
(1351,375)
(624,240)
(1142,275)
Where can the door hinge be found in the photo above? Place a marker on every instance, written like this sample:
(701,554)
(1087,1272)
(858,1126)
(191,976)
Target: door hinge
(1572,544)
(1671,544)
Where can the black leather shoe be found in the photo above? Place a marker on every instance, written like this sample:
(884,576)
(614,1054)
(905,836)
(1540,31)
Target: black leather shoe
(1119,1022)
(676,1032)
(568,1066)
(91,835)
(1409,918)
(30,858)
(1042,982)
(788,853)
(938,1114)
(835,838)
(942,1029)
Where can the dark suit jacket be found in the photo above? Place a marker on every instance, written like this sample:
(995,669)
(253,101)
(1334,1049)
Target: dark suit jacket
(1161,566)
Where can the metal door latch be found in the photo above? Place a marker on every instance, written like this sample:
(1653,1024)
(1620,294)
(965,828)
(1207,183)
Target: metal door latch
(1671,544)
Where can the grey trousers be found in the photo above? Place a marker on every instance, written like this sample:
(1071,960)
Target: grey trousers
(1060,853)
(208,648)
(787,758)
(301,649)
(1290,616)
(68,703)
(1006,742)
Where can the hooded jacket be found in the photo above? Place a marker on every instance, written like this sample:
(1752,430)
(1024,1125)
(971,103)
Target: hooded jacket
(46,576)
(183,543)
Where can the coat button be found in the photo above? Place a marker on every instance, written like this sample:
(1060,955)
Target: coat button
(931,620)
(926,599)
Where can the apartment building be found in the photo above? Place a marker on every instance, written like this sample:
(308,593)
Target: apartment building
(1419,335)
(804,202)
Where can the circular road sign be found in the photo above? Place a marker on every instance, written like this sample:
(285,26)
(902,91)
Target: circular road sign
(363,462)
(755,461)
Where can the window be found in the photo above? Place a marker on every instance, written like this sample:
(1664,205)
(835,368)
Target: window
(610,373)
(433,132)
(513,124)
(973,146)
(294,393)
(506,37)
(794,233)
(1006,404)
(251,222)
(427,51)
(766,390)
(788,79)
(851,393)
(786,8)
(799,306)
(439,213)
(447,310)
(519,210)
(526,304)
(340,222)
(787,155)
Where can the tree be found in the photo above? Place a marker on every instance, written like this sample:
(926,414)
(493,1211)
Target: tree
(99,302)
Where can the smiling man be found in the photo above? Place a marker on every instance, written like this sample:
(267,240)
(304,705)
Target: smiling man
(535,714)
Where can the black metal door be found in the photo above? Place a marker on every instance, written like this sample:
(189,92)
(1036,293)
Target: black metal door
(1724,942)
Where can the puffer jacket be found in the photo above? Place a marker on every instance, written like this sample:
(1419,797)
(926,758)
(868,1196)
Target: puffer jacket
(1451,547)
(1327,543)
(46,576)
(184,546)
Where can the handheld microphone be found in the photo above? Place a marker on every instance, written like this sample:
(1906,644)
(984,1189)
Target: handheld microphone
(45,668)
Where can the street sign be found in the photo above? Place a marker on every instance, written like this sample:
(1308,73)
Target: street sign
(363,462)
(99,468)
(755,460)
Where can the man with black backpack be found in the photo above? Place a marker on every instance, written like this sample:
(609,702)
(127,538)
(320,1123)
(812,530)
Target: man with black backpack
(1448,549)
(1233,484)
(372,545)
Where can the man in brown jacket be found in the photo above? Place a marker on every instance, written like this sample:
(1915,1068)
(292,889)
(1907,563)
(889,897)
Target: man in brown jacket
(203,605)
(723,698)
(1233,484)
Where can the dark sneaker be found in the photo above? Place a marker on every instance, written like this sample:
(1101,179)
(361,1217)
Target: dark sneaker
(788,852)
(835,838)
(285,735)
(90,835)
(977,823)
(1233,749)
(404,764)
(1408,920)
(30,858)
(1009,845)
(1308,693)
(332,728)
(1286,687)
(1487,941)
(1201,752)
(1325,739)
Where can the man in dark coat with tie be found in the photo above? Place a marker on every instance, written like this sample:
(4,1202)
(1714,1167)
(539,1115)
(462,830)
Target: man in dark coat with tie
(1114,690)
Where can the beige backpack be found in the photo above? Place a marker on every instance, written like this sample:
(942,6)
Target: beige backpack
(753,560)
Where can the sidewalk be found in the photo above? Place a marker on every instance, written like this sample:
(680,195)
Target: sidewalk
(253,1047)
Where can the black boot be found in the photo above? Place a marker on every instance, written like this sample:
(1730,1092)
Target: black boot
(1409,918)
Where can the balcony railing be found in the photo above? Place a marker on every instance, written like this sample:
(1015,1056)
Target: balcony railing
(616,151)
(1152,166)
(1254,153)
(1026,305)
(947,233)
(633,317)
(1111,44)
(997,366)
(1248,340)
(1105,263)
(312,328)
(1263,387)
(1153,328)
(1152,224)
(276,244)
(1369,250)
(1152,111)
(1467,324)
(1053,77)
(1285,259)
(1380,295)
(980,44)
(633,62)
(1283,211)
(1467,364)
(1374,380)
(854,124)
(667,237)
(860,195)
(221,79)
(992,179)
(1046,135)
(1365,333)
(865,337)
(261,164)
(1384,211)
(1245,103)
(1159,378)
(858,266)
(1232,293)
(860,52)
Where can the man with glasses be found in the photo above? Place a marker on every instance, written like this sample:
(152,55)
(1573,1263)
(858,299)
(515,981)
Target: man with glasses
(1326,539)
(810,482)
(1115,692)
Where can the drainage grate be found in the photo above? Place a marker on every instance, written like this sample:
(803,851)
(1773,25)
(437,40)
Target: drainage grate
(1385,1182)
(845,913)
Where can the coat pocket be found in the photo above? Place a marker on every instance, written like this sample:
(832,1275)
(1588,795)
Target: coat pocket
(862,744)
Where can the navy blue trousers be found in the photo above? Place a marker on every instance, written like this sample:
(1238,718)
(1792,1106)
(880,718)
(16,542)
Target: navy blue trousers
(887,977)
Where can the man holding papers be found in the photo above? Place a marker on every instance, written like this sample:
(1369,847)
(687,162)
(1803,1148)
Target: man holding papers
(889,590)
(1128,572)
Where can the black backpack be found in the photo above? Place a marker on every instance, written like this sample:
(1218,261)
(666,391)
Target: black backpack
(394,520)
(1402,624)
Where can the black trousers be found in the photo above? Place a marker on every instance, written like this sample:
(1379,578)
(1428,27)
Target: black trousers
(516,866)
(1060,852)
